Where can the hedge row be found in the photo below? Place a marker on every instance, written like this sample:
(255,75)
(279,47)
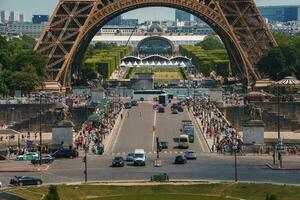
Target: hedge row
(207,61)
(106,61)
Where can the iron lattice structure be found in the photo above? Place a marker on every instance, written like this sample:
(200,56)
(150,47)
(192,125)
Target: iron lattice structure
(74,23)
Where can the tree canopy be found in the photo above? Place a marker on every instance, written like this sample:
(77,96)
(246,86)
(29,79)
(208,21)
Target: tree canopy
(283,60)
(211,42)
(20,67)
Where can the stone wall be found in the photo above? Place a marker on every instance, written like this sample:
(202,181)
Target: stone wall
(289,115)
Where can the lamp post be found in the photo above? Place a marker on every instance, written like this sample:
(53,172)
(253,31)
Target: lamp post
(235,163)
(278,125)
(40,148)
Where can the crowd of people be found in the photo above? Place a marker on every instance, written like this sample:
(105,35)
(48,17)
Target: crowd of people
(215,126)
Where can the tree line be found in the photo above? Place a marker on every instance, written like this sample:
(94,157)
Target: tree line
(283,60)
(20,67)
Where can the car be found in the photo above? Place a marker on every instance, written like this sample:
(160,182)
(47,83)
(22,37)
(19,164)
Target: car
(190,155)
(142,99)
(25,180)
(161,109)
(127,105)
(65,153)
(46,159)
(130,157)
(28,156)
(118,162)
(180,159)
(0,184)
(134,103)
(163,145)
(174,111)
(179,108)
(139,157)
(2,157)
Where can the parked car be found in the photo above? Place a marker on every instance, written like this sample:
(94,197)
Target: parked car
(134,103)
(180,159)
(65,153)
(130,157)
(127,105)
(162,177)
(190,155)
(161,109)
(118,162)
(174,111)
(25,180)
(0,184)
(163,145)
(2,157)
(46,159)
(28,156)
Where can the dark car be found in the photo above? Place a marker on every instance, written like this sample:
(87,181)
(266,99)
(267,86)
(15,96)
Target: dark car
(130,157)
(2,157)
(163,145)
(65,153)
(118,162)
(25,180)
(161,109)
(127,105)
(134,103)
(46,159)
(174,111)
(180,160)
(179,108)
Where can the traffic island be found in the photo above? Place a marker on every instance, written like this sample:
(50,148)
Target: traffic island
(28,168)
(284,167)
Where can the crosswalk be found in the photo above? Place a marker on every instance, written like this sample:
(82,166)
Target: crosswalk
(147,153)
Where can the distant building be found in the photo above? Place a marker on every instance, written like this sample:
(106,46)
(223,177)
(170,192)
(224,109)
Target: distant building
(26,28)
(274,14)
(14,16)
(129,22)
(182,16)
(21,18)
(4,16)
(38,19)
(190,30)
(115,21)
(117,30)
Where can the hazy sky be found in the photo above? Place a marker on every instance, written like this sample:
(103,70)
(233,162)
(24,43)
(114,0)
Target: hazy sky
(30,7)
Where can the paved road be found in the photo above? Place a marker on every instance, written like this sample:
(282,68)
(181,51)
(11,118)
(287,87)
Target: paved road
(136,131)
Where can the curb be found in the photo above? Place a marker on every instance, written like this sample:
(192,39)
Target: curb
(283,168)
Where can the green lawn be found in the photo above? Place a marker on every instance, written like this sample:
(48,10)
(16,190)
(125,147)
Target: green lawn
(164,74)
(164,192)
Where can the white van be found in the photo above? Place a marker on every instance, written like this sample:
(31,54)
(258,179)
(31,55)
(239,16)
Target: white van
(139,157)
(183,141)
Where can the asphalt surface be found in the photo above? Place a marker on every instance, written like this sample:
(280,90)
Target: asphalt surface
(136,131)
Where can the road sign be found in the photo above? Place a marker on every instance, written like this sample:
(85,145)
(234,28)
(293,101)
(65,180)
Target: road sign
(280,146)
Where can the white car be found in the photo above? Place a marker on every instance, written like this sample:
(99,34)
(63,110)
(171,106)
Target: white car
(28,156)
(0,184)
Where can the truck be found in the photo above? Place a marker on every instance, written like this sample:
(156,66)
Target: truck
(163,99)
(187,128)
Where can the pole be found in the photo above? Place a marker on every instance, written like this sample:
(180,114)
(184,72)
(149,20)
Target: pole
(85,162)
(235,167)
(278,124)
(40,152)
(157,148)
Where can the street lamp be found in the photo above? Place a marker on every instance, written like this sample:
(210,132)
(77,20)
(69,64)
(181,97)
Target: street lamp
(40,148)
(234,148)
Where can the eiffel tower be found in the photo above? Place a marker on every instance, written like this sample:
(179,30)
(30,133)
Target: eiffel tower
(74,23)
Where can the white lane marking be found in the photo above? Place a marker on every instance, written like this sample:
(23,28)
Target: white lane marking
(124,153)
(181,152)
(198,137)
(154,128)
(175,152)
(170,152)
(118,133)
(150,152)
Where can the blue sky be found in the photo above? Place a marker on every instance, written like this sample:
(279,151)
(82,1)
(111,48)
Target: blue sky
(30,7)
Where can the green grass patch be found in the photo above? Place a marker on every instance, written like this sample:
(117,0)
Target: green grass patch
(160,192)
(163,74)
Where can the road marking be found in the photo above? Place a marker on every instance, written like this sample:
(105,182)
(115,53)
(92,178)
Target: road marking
(124,153)
(175,152)
(118,132)
(170,152)
(150,152)
(196,132)
(154,128)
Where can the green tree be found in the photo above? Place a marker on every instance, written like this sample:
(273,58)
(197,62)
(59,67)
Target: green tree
(211,42)
(52,193)
(3,87)
(27,79)
(26,58)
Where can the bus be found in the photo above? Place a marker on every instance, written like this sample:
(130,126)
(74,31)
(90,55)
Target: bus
(183,141)
(163,99)
(187,128)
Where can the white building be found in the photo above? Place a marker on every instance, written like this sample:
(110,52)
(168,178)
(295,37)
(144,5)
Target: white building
(26,28)
(134,40)
(4,16)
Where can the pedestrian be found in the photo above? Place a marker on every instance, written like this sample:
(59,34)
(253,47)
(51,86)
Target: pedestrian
(121,116)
